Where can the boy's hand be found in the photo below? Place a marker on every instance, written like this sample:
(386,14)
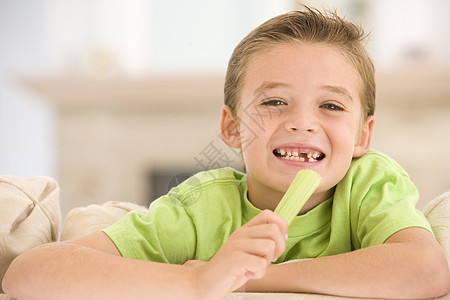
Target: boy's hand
(245,255)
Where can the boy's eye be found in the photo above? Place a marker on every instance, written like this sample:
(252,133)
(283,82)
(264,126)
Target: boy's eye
(332,106)
(273,102)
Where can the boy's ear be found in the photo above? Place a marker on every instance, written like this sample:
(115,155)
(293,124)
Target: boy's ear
(362,146)
(229,128)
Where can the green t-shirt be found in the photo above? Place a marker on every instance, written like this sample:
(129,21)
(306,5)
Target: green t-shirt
(374,200)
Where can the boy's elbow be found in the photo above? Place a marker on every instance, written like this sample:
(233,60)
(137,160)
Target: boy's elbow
(11,280)
(437,274)
(18,279)
(442,286)
(7,284)
(439,285)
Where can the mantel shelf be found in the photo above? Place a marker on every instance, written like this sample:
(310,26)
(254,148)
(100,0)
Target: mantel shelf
(135,92)
(415,88)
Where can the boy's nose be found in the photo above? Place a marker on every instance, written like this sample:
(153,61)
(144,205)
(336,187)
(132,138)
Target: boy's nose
(302,121)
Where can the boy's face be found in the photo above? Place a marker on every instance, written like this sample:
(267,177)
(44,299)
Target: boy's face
(300,108)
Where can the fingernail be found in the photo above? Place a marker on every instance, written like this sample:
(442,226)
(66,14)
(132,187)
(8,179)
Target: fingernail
(286,237)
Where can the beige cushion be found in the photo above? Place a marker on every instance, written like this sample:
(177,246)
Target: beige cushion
(85,220)
(5,297)
(438,214)
(282,296)
(29,215)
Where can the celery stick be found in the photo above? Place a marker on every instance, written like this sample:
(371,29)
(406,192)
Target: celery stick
(305,183)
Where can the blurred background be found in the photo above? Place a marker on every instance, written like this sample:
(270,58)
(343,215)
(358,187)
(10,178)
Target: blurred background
(120,99)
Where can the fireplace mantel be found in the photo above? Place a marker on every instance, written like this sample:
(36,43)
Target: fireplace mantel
(112,132)
(185,93)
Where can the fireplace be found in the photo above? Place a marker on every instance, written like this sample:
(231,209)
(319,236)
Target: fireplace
(125,139)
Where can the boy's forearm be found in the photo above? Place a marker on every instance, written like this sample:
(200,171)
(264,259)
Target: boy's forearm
(91,267)
(386,271)
(69,271)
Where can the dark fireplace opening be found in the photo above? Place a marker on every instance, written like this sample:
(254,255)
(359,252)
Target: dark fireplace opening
(162,180)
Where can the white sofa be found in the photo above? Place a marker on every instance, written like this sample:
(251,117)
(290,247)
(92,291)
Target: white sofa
(30,216)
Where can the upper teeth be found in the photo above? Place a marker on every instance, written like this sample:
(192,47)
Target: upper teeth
(297,155)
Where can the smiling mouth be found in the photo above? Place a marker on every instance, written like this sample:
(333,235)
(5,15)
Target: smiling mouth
(295,154)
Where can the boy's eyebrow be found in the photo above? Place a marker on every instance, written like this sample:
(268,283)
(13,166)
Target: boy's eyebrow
(267,85)
(339,90)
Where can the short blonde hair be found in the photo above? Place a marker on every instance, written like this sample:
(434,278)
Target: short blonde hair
(303,26)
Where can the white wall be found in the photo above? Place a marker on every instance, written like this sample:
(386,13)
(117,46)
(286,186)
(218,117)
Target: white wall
(26,123)
(411,32)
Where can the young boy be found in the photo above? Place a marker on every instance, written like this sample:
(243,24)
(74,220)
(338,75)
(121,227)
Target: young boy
(299,93)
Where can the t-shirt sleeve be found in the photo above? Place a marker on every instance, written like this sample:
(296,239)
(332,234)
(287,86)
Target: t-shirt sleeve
(383,200)
(165,234)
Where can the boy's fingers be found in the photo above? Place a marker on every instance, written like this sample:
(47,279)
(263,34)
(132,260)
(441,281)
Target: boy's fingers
(249,265)
(267,224)
(261,247)
(270,234)
(254,246)
(241,265)
(256,267)
(268,216)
